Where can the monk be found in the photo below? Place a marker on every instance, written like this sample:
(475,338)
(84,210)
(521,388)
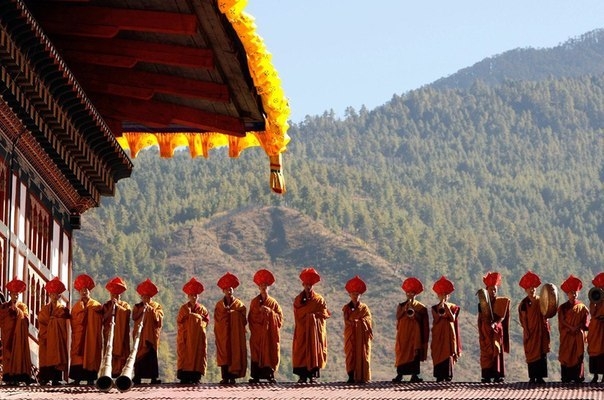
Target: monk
(86,333)
(148,317)
(117,312)
(53,320)
(595,335)
(309,353)
(412,333)
(493,331)
(446,340)
(265,318)
(358,333)
(229,331)
(535,329)
(191,340)
(14,327)
(573,321)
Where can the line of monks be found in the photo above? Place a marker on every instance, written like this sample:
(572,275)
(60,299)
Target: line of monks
(92,323)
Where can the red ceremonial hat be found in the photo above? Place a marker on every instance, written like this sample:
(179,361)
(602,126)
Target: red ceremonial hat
(83,281)
(443,286)
(193,287)
(147,288)
(356,285)
(16,286)
(228,280)
(309,276)
(264,277)
(492,279)
(55,286)
(116,286)
(571,284)
(412,285)
(599,280)
(529,280)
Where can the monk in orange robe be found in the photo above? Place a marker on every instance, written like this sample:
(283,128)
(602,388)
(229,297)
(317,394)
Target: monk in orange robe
(595,335)
(148,317)
(573,321)
(265,318)
(86,333)
(117,312)
(493,331)
(446,340)
(229,331)
(535,329)
(14,326)
(358,333)
(191,340)
(309,354)
(53,319)
(412,332)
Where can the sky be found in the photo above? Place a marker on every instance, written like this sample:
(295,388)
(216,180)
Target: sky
(335,54)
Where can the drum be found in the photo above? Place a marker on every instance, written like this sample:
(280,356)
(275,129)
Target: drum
(485,303)
(548,300)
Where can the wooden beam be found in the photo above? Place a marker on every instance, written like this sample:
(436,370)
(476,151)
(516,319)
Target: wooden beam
(159,83)
(157,114)
(61,18)
(100,50)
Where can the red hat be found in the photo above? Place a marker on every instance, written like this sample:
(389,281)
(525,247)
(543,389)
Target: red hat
(228,280)
(356,285)
(443,286)
(529,280)
(116,286)
(16,286)
(309,276)
(147,288)
(55,286)
(492,279)
(599,280)
(412,285)
(193,287)
(83,281)
(264,277)
(571,284)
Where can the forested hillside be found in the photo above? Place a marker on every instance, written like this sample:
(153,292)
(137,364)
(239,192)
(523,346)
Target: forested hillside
(453,181)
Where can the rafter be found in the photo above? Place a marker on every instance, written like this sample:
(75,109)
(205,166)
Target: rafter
(94,21)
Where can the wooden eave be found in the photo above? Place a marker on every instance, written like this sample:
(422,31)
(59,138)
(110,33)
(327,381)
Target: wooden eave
(156,65)
(56,113)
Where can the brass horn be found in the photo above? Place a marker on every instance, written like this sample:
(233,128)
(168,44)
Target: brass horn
(124,383)
(105,381)
(410,312)
(596,294)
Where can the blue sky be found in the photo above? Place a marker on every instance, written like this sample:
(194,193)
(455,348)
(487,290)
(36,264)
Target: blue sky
(334,54)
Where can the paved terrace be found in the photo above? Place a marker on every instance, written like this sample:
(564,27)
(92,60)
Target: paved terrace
(328,390)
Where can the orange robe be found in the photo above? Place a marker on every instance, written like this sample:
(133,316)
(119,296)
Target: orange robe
(146,364)
(265,319)
(191,341)
(412,335)
(535,329)
(573,320)
(86,340)
(16,358)
(121,334)
(358,334)
(229,331)
(595,338)
(52,338)
(446,341)
(309,353)
(494,338)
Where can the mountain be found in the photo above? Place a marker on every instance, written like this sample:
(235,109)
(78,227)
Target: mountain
(579,56)
(438,181)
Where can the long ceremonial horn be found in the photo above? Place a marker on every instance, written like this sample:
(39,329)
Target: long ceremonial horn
(105,381)
(123,383)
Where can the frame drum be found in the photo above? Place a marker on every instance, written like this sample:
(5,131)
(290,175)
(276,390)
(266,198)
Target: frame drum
(548,300)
